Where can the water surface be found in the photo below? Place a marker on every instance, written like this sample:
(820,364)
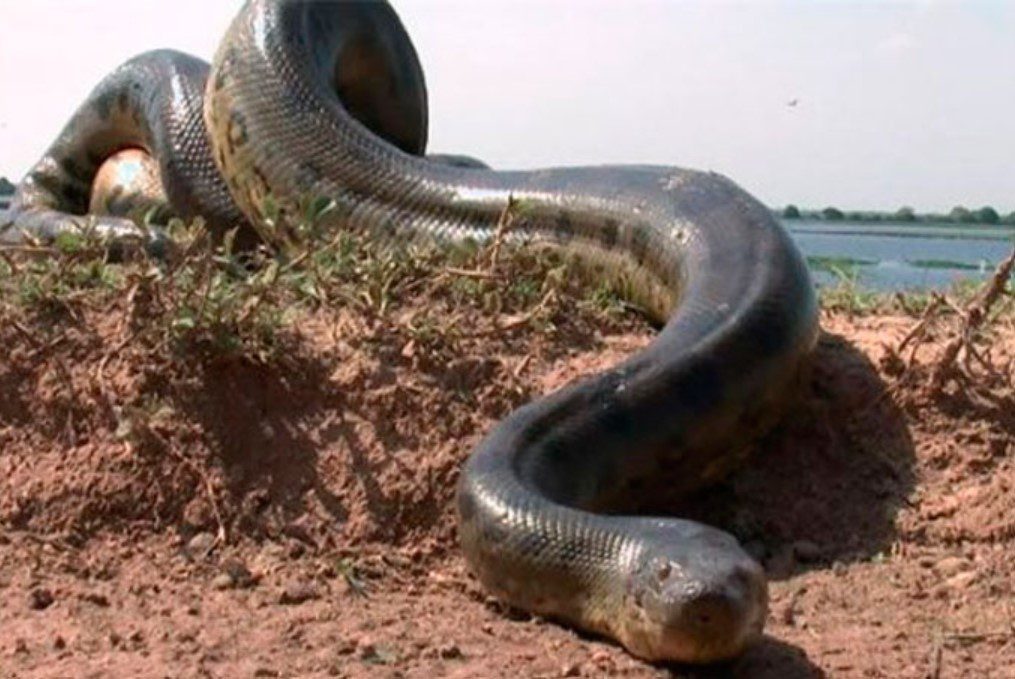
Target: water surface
(900,256)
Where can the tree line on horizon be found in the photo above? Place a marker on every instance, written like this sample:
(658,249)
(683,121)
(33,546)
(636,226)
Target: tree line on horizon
(958,215)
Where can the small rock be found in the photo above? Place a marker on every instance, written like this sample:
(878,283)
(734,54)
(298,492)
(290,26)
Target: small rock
(20,646)
(297,530)
(951,565)
(240,574)
(40,598)
(266,672)
(222,581)
(59,643)
(961,581)
(296,550)
(201,545)
(95,598)
(788,613)
(377,654)
(603,661)
(449,652)
(298,592)
(572,669)
(806,551)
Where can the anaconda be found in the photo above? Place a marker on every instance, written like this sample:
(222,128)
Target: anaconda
(327,99)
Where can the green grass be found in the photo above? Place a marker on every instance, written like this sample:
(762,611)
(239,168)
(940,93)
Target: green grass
(942,264)
(835,265)
(208,297)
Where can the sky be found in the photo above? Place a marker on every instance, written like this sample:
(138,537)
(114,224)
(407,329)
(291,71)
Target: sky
(896,103)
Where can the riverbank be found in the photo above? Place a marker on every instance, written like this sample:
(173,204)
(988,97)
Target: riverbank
(203,476)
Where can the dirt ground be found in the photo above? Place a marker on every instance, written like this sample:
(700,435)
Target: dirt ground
(224,518)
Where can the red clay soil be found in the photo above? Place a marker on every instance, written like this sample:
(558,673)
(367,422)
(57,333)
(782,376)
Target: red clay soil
(212,518)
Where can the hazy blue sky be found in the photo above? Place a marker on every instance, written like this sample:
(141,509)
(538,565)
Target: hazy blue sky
(899,102)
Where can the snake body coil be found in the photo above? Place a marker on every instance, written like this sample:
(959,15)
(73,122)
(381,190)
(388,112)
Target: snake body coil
(327,99)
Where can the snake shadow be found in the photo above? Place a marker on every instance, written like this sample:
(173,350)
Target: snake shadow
(768,659)
(826,484)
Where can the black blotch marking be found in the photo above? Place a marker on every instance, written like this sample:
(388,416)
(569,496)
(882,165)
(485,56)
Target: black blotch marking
(308,174)
(74,169)
(221,77)
(103,103)
(68,194)
(220,80)
(94,158)
(256,171)
(572,548)
(237,131)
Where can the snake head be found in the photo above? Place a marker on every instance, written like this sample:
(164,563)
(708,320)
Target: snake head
(695,597)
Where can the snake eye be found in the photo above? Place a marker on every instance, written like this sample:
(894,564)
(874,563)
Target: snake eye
(663,571)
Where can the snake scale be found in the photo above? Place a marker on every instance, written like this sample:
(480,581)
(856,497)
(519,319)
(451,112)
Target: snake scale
(328,99)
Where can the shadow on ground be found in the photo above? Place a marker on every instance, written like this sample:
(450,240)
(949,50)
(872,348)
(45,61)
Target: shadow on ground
(769,659)
(826,485)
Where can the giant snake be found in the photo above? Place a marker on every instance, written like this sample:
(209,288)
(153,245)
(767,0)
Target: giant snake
(327,99)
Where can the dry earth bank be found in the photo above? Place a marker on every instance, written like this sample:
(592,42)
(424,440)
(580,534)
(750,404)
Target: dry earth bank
(207,474)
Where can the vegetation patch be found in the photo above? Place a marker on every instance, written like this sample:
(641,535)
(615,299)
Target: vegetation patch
(212,365)
(838,265)
(942,264)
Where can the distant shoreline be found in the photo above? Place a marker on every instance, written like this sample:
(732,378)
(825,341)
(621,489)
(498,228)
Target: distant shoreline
(959,216)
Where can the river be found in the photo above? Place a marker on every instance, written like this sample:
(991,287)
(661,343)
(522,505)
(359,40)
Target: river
(900,256)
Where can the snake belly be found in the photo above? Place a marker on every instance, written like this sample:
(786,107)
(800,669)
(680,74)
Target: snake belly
(324,99)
